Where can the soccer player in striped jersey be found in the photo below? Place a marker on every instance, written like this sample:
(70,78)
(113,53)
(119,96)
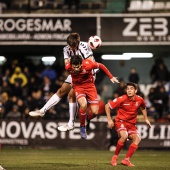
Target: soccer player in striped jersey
(74,47)
(125,122)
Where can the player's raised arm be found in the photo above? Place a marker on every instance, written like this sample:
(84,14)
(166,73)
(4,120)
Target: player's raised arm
(112,78)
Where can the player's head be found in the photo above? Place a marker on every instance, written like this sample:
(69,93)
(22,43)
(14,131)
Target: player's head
(76,63)
(131,89)
(73,40)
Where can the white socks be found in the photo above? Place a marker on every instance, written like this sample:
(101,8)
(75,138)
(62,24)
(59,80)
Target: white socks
(53,101)
(72,112)
(50,103)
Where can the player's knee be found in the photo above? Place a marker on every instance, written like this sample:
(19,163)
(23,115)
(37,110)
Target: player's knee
(124,137)
(83,106)
(64,89)
(60,93)
(137,140)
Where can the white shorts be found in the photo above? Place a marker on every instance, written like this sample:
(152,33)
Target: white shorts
(68,79)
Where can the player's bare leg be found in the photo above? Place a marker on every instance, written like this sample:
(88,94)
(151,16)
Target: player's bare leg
(64,89)
(72,112)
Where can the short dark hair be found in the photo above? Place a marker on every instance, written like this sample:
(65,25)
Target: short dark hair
(76,60)
(132,84)
(73,40)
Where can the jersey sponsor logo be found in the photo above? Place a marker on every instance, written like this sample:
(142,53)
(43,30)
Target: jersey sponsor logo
(114,100)
(122,125)
(126,104)
(137,104)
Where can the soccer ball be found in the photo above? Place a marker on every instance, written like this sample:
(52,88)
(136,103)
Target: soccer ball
(94,42)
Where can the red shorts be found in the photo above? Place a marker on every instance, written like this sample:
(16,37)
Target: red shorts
(88,91)
(129,127)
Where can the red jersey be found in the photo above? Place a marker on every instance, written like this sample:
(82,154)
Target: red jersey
(85,75)
(127,107)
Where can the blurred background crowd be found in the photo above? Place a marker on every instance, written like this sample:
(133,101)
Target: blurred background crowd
(25,86)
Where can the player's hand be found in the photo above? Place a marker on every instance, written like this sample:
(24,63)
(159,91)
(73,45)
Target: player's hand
(114,80)
(111,124)
(148,123)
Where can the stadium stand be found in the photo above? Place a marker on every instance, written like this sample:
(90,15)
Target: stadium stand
(84,6)
(139,6)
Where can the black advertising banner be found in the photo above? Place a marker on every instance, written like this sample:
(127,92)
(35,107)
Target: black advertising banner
(140,29)
(44,29)
(45,134)
(114,29)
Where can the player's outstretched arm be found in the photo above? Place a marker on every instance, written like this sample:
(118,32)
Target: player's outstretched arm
(114,80)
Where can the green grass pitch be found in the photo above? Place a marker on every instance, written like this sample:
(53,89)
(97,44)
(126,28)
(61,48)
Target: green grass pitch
(54,159)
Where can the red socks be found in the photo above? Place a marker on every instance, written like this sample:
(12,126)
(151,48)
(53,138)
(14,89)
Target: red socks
(90,114)
(132,149)
(119,147)
(82,116)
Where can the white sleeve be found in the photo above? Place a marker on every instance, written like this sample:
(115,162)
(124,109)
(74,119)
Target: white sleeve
(65,52)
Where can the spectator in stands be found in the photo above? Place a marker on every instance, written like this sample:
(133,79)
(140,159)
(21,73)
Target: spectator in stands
(14,100)
(49,72)
(26,71)
(159,72)
(26,113)
(6,103)
(134,76)
(6,87)
(151,109)
(121,89)
(36,101)
(47,87)
(153,113)
(71,4)
(1,109)
(18,76)
(159,100)
(33,85)
(39,3)
(21,107)
(14,113)
(7,75)
(17,90)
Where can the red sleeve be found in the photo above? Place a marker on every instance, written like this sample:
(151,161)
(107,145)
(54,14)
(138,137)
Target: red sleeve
(102,67)
(143,104)
(116,102)
(95,65)
(68,66)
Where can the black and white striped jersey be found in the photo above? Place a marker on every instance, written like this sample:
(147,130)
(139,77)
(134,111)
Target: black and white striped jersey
(83,50)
